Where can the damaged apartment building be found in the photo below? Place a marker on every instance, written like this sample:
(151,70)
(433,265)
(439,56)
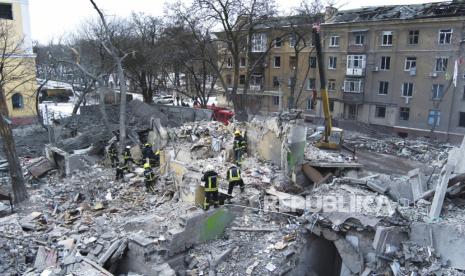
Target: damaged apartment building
(397,68)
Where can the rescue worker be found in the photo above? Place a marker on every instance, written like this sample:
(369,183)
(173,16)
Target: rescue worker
(234,178)
(154,158)
(120,169)
(127,156)
(113,154)
(210,177)
(149,178)
(239,147)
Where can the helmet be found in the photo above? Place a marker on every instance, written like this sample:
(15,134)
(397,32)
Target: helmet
(237,132)
(128,147)
(209,168)
(146,166)
(148,145)
(157,152)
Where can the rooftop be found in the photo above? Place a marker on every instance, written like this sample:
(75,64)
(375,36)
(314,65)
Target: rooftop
(400,12)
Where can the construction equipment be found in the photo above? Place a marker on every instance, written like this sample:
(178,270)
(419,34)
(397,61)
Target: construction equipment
(332,137)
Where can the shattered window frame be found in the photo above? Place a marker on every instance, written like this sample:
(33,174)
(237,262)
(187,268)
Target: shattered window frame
(380,111)
(413,37)
(359,39)
(228,79)
(259,42)
(353,86)
(441,64)
(6,11)
(292,40)
(407,89)
(383,88)
(385,63)
(242,79)
(17,101)
(356,61)
(410,63)
(334,41)
(229,62)
(275,82)
(404,113)
(386,38)
(445,36)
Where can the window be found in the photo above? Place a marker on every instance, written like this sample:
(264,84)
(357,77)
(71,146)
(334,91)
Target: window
(383,88)
(380,111)
(410,63)
(331,85)
(445,36)
(17,101)
(309,103)
(258,43)
(433,117)
(441,64)
(353,86)
(275,81)
(275,100)
(292,40)
(463,97)
(438,91)
(242,63)
(359,39)
(334,41)
(332,63)
(6,11)
(404,113)
(229,63)
(292,62)
(311,84)
(355,61)
(241,79)
(413,37)
(461,119)
(312,62)
(278,42)
(407,89)
(385,63)
(331,105)
(228,79)
(277,62)
(386,39)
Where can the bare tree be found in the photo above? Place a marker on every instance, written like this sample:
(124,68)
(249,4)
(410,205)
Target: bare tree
(240,22)
(16,71)
(118,56)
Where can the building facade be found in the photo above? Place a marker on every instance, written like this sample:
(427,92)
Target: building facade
(398,67)
(21,87)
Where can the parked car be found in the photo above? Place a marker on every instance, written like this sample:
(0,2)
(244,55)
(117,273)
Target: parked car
(164,100)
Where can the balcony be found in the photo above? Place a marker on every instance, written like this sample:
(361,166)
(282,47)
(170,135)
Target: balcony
(355,72)
(357,48)
(349,97)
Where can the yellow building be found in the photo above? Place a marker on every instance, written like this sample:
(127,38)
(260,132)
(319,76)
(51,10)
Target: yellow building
(20,80)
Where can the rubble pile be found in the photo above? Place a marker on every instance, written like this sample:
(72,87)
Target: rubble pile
(303,210)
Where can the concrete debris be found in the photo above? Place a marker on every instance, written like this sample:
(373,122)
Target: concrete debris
(303,210)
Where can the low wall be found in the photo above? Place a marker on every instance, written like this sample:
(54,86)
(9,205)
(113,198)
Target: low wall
(184,114)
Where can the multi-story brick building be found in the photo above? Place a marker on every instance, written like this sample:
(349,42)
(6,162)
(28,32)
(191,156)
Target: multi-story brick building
(390,66)
(20,83)
(395,66)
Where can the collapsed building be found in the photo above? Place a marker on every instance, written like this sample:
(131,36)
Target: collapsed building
(305,211)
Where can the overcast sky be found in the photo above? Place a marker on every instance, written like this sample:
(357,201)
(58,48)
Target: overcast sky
(54,18)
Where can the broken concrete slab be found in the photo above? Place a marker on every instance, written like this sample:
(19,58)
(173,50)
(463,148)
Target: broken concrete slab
(339,218)
(45,258)
(417,182)
(40,167)
(388,240)
(447,239)
(440,193)
(351,258)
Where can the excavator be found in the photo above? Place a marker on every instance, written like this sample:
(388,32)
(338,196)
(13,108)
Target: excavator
(332,137)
